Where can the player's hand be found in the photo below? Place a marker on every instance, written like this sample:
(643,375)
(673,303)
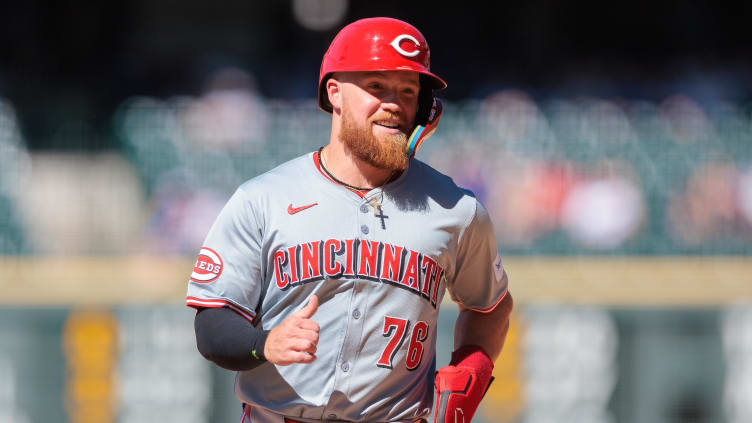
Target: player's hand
(295,339)
(461,385)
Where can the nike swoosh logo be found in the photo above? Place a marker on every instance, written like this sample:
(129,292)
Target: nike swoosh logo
(293,210)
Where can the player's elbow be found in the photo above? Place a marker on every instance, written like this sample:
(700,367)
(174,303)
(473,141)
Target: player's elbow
(205,342)
(501,316)
(222,337)
(205,348)
(507,304)
(209,339)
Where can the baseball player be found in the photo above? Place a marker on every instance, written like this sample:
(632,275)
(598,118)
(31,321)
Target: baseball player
(320,281)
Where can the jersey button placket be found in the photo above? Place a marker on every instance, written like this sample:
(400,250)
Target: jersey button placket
(362,215)
(354,331)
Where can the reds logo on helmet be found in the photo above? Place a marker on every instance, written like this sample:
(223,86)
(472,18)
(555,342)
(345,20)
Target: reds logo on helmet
(208,266)
(396,44)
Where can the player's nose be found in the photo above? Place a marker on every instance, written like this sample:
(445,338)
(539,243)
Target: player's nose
(390,103)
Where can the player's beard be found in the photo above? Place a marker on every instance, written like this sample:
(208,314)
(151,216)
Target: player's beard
(384,152)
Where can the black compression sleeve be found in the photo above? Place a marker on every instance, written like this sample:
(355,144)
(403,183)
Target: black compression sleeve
(227,339)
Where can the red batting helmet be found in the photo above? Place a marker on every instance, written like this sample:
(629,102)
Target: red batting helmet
(379,44)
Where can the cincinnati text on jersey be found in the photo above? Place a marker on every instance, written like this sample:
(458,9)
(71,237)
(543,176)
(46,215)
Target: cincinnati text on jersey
(363,259)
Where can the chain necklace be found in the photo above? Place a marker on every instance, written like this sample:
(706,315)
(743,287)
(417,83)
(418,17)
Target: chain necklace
(345,184)
(334,178)
(375,201)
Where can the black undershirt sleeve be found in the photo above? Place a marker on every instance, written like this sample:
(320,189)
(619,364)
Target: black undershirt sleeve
(227,339)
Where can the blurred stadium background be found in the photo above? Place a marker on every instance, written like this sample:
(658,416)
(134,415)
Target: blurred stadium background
(611,143)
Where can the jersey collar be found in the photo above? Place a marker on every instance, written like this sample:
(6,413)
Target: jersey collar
(361,194)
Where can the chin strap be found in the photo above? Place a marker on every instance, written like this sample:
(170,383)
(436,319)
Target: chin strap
(425,130)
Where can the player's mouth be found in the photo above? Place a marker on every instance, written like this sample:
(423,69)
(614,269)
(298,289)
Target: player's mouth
(389,126)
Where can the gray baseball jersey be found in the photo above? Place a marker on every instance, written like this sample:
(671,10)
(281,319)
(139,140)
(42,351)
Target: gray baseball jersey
(379,265)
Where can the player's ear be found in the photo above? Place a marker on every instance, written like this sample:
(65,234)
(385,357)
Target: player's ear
(334,93)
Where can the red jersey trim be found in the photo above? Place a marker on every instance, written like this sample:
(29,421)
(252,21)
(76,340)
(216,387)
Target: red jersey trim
(247,413)
(202,302)
(491,308)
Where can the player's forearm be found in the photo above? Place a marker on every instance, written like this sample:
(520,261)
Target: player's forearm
(486,330)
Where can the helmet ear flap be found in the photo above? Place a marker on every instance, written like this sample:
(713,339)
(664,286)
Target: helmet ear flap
(425,101)
(425,129)
(324,96)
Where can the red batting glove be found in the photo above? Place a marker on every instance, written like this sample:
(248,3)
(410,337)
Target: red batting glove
(462,384)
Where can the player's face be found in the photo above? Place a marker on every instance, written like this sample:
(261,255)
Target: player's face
(378,114)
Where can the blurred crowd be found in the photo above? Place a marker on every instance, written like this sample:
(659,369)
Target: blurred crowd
(558,176)
(607,175)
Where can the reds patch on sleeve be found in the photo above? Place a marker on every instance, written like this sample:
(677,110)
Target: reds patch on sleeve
(208,266)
